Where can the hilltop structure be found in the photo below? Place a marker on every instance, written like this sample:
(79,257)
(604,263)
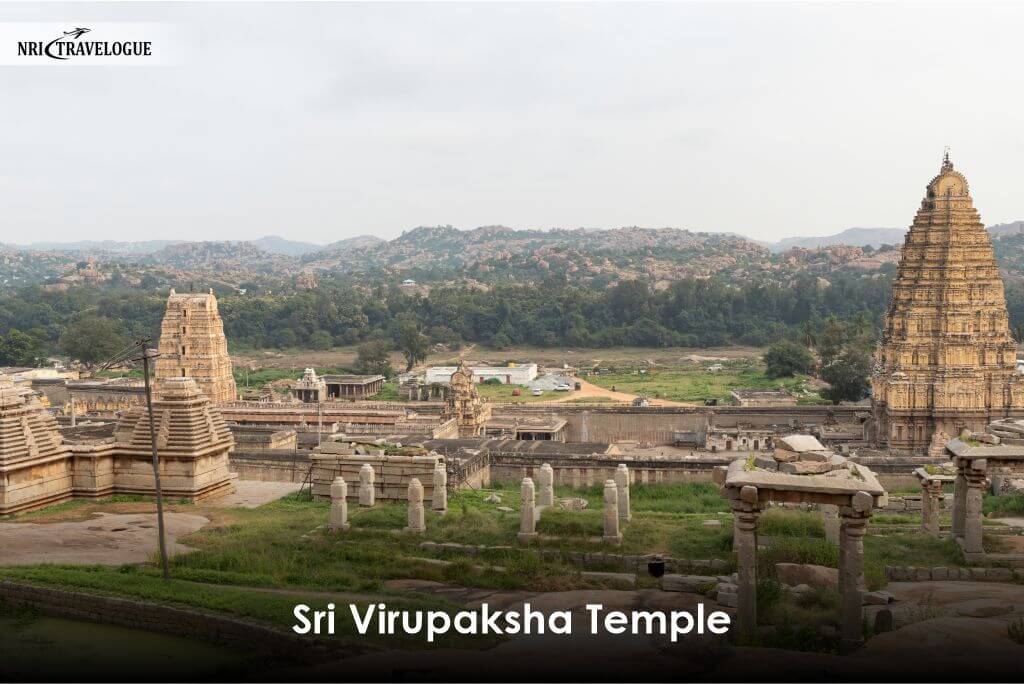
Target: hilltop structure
(192,345)
(946,360)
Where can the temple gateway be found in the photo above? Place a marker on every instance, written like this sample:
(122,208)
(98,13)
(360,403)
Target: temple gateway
(946,360)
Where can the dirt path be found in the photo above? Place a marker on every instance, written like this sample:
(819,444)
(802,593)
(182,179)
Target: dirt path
(589,390)
(105,539)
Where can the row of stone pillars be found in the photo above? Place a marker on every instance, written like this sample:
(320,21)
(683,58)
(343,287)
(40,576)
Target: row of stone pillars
(338,521)
(616,503)
(852,524)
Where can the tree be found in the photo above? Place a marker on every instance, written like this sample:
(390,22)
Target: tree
(20,349)
(831,340)
(321,340)
(412,343)
(785,359)
(847,375)
(373,359)
(92,340)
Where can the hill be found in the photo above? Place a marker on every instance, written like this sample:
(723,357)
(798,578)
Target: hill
(855,237)
(275,244)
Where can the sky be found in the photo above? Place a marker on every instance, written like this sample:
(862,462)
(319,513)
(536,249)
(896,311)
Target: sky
(324,121)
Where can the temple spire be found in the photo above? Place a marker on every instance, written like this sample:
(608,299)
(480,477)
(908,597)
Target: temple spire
(946,164)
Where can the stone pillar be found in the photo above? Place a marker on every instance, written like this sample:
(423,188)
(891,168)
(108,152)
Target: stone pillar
(959,499)
(851,570)
(830,518)
(440,499)
(417,523)
(546,478)
(975,476)
(527,511)
(745,513)
(611,513)
(622,484)
(367,497)
(339,505)
(931,496)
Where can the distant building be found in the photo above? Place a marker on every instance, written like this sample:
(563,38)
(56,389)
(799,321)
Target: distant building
(757,397)
(353,386)
(512,374)
(408,282)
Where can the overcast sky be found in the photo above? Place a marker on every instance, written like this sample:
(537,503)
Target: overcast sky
(324,121)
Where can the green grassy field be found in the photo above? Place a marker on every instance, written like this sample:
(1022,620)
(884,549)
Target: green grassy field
(695,383)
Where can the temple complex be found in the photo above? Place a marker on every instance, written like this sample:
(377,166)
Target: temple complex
(192,345)
(946,360)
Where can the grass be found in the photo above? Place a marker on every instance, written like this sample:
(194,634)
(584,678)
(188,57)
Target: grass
(1003,504)
(694,383)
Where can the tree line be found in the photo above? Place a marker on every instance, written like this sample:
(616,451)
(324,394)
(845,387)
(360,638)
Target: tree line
(697,313)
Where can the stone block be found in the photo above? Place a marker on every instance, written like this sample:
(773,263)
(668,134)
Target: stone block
(940,573)
(728,600)
(999,574)
(978,574)
(877,598)
(923,574)
(691,584)
(812,575)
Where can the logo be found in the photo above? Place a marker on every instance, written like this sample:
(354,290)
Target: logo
(70,45)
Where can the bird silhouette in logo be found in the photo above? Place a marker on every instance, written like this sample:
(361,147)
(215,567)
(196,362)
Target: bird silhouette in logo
(77,33)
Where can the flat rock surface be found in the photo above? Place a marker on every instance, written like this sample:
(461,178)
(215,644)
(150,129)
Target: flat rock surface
(104,539)
(254,493)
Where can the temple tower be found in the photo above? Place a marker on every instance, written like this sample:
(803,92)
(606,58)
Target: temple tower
(192,345)
(464,404)
(946,359)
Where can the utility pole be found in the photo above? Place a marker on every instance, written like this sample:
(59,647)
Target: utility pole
(144,343)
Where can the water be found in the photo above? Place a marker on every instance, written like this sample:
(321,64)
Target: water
(39,648)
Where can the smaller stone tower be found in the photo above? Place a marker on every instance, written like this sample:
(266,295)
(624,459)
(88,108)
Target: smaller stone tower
(464,404)
(192,345)
(192,439)
(35,464)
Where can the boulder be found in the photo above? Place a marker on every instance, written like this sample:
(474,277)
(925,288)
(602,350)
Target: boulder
(571,503)
(493,498)
(811,575)
(877,598)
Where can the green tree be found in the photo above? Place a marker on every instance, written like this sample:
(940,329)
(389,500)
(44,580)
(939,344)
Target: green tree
(373,358)
(785,359)
(847,375)
(20,349)
(412,343)
(321,340)
(92,340)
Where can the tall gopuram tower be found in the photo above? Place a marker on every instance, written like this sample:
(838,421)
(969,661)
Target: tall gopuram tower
(946,360)
(464,404)
(192,345)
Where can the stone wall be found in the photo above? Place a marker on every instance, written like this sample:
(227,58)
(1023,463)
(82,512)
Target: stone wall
(391,473)
(282,465)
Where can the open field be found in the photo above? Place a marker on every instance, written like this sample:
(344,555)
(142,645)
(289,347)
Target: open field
(579,357)
(693,382)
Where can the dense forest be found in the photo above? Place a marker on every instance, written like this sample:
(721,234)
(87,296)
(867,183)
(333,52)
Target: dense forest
(688,313)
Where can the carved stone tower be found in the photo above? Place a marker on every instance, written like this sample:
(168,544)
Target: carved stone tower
(192,345)
(464,404)
(946,360)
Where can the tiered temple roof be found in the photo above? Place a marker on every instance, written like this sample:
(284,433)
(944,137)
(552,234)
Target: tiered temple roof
(185,423)
(946,359)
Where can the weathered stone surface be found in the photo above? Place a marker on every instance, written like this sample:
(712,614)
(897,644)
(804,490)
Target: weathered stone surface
(627,579)
(948,310)
(811,575)
(877,598)
(940,573)
(692,584)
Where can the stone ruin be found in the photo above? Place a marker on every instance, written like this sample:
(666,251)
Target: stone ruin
(38,468)
(991,460)
(802,471)
(373,475)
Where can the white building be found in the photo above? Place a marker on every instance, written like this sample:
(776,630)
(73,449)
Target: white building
(512,374)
